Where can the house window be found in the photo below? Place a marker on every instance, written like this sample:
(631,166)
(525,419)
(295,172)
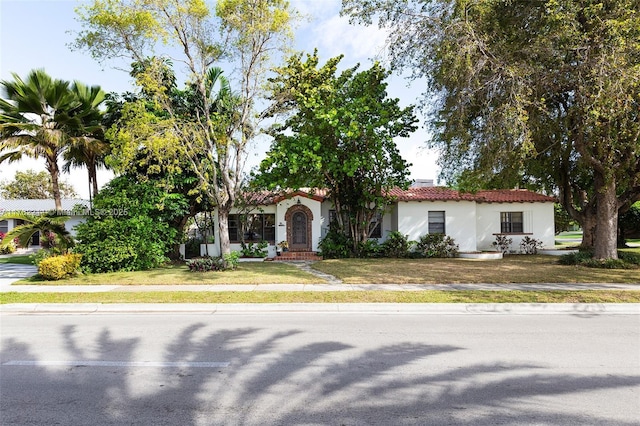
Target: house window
(256,227)
(511,222)
(436,222)
(4,226)
(375,227)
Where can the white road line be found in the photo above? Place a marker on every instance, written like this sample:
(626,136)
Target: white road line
(84,363)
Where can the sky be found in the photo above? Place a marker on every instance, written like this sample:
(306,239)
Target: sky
(37,34)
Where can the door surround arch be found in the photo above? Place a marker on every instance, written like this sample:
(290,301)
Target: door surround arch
(288,217)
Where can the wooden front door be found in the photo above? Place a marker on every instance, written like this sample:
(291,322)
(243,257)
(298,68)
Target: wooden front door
(299,240)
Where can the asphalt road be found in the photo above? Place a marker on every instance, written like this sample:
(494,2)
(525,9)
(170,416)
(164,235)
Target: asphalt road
(319,369)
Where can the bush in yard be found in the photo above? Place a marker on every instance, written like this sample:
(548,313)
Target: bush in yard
(335,245)
(205,264)
(502,243)
(369,248)
(209,263)
(530,245)
(437,245)
(123,244)
(626,260)
(41,255)
(9,248)
(396,245)
(58,267)
(252,249)
(131,228)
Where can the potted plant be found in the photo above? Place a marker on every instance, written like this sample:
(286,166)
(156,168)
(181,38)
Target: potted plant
(284,245)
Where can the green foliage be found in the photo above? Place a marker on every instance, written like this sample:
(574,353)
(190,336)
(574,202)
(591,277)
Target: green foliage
(231,260)
(369,248)
(537,94)
(33,185)
(7,248)
(626,260)
(337,133)
(530,245)
(51,227)
(396,245)
(629,222)
(228,261)
(131,228)
(335,245)
(562,220)
(58,267)
(252,249)
(502,243)
(205,264)
(41,116)
(41,255)
(210,125)
(437,245)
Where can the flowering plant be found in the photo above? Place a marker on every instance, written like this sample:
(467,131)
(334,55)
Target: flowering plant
(283,244)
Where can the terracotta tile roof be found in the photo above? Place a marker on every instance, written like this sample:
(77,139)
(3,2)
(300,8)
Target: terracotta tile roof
(437,193)
(512,196)
(431,193)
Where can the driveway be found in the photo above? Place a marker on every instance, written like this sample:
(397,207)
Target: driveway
(11,272)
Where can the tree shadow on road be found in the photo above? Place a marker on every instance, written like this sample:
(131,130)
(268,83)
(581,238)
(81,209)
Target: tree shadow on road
(275,378)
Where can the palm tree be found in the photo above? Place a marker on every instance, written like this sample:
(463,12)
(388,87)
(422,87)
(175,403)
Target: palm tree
(40,116)
(33,117)
(49,225)
(87,147)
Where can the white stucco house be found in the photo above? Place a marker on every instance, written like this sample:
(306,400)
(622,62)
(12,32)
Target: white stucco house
(473,220)
(74,208)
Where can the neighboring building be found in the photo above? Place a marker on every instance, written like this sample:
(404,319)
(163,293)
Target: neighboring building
(472,219)
(75,209)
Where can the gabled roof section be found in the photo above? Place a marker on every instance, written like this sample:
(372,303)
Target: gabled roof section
(39,206)
(314,194)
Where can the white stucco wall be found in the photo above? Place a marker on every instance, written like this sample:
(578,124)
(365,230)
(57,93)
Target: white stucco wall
(460,223)
(538,223)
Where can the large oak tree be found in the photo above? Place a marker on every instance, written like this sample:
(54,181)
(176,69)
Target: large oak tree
(529,92)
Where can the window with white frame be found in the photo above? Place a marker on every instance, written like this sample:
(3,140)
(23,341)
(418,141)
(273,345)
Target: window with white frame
(4,226)
(511,222)
(436,222)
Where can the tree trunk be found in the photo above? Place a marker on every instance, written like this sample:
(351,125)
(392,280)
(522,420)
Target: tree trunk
(607,216)
(588,221)
(223,227)
(54,171)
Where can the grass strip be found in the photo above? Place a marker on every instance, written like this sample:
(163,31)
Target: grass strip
(24,259)
(431,296)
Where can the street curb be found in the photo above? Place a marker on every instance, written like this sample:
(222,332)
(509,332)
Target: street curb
(582,309)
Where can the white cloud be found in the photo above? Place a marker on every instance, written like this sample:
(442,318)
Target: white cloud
(335,36)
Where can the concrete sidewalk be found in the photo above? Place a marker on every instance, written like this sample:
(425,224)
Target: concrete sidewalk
(9,273)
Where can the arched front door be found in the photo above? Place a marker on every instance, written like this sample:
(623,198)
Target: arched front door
(299,231)
(298,220)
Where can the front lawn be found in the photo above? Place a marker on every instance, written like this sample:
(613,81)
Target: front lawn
(247,273)
(511,269)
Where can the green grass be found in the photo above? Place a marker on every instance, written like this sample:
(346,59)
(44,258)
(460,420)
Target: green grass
(22,259)
(511,269)
(471,296)
(247,273)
